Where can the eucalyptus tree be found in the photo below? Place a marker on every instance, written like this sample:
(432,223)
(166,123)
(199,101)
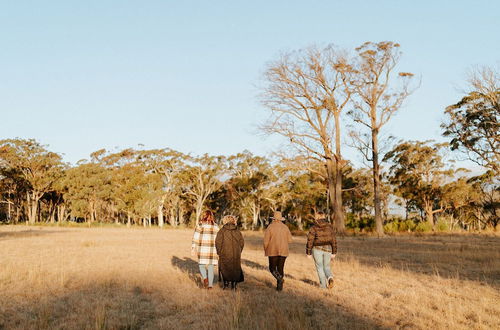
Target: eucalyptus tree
(306,92)
(37,166)
(87,187)
(168,164)
(376,98)
(200,177)
(419,172)
(473,123)
(250,179)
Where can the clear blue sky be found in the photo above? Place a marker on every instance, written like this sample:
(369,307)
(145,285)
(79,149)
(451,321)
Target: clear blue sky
(85,75)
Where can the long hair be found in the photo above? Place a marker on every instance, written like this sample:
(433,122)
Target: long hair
(208,217)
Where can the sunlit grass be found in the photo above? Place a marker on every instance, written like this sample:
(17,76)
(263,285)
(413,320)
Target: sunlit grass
(109,278)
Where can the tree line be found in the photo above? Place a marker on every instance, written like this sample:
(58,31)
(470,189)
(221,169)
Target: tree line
(310,94)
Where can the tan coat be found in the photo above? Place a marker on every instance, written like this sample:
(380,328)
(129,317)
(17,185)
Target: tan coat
(276,239)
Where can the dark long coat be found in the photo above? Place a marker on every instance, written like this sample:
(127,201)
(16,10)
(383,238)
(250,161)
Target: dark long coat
(229,244)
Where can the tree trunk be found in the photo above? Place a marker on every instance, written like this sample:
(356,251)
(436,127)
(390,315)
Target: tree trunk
(33,199)
(376,184)
(300,225)
(160,216)
(335,194)
(338,206)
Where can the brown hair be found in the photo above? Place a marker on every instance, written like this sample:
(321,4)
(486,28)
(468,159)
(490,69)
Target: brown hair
(208,217)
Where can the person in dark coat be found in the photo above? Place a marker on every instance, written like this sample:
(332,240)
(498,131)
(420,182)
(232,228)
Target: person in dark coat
(322,246)
(229,244)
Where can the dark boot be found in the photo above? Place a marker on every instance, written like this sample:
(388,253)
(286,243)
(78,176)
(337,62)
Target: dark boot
(225,285)
(279,280)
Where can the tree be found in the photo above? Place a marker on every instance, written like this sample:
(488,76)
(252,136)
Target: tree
(37,166)
(249,182)
(87,186)
(419,173)
(376,99)
(306,92)
(201,177)
(473,123)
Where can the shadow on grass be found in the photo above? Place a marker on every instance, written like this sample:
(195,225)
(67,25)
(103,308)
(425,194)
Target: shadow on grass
(258,266)
(8,235)
(191,267)
(108,305)
(466,257)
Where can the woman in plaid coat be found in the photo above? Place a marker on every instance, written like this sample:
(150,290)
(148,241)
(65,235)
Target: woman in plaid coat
(203,246)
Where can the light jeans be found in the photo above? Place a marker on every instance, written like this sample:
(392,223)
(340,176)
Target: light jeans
(322,261)
(203,271)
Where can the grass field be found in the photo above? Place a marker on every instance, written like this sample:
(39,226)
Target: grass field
(114,278)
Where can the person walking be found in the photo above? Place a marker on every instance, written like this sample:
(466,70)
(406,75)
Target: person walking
(203,246)
(322,246)
(229,244)
(276,239)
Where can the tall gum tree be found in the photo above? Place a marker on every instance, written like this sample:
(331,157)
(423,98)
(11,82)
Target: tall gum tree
(39,168)
(473,123)
(376,98)
(306,92)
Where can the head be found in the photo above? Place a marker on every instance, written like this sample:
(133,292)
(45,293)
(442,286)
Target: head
(277,216)
(229,219)
(207,217)
(319,216)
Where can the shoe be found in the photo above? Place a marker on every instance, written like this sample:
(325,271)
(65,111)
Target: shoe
(279,285)
(225,285)
(209,288)
(205,283)
(330,283)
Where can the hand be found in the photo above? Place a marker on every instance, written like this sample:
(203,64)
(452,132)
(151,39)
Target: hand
(333,256)
(309,256)
(193,252)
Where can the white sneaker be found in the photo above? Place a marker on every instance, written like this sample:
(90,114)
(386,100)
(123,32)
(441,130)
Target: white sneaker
(330,283)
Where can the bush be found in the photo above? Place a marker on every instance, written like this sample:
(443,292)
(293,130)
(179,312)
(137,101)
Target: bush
(391,227)
(442,225)
(423,227)
(407,225)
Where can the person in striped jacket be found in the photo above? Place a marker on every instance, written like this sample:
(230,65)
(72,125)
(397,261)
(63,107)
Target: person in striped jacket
(203,246)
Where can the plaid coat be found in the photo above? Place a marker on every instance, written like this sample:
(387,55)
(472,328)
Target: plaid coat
(204,243)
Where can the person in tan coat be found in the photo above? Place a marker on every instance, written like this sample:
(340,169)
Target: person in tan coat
(276,239)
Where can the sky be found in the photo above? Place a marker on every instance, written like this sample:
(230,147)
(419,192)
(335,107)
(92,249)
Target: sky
(79,76)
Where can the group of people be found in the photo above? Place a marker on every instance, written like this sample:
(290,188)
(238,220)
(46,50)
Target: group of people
(223,248)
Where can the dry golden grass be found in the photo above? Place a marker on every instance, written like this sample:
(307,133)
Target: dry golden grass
(53,278)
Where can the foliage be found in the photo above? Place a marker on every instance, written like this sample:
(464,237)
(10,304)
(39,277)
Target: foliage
(473,123)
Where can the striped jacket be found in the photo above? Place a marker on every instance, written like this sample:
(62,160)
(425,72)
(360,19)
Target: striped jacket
(204,243)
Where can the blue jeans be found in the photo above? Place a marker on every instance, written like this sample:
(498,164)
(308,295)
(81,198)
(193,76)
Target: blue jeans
(322,261)
(203,271)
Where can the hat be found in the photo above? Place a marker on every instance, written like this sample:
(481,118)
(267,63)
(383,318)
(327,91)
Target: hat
(277,216)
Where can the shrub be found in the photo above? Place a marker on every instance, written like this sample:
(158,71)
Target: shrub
(391,227)
(407,225)
(423,227)
(442,225)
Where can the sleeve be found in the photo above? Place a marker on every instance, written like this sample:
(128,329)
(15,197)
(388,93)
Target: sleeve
(310,240)
(242,240)
(289,234)
(218,241)
(267,237)
(196,238)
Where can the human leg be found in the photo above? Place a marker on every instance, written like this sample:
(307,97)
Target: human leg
(318,261)
(210,275)
(203,272)
(281,265)
(273,262)
(327,257)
